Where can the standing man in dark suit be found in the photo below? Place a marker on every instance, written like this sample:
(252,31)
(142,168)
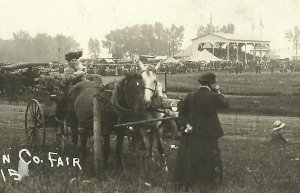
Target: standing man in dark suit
(199,159)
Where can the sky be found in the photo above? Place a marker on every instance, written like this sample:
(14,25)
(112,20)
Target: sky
(84,19)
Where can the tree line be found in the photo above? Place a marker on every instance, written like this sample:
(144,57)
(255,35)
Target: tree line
(149,39)
(210,28)
(145,39)
(40,48)
(293,35)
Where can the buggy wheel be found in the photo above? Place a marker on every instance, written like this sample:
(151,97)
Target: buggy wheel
(35,124)
(20,90)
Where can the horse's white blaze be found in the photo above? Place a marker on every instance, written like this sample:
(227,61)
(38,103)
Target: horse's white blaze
(159,89)
(149,79)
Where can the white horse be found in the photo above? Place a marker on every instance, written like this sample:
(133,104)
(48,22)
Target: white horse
(153,95)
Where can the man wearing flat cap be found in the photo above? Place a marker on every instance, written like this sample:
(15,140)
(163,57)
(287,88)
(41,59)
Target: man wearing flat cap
(199,158)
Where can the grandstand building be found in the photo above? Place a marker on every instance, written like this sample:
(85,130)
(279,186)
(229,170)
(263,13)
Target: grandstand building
(224,46)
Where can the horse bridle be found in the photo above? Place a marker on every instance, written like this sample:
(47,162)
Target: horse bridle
(144,86)
(151,89)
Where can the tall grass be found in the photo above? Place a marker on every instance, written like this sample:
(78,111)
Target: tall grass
(261,167)
(251,165)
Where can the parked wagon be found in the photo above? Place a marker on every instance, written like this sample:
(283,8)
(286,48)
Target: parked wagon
(40,112)
(19,79)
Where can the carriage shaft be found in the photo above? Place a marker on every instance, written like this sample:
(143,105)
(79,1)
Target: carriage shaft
(144,121)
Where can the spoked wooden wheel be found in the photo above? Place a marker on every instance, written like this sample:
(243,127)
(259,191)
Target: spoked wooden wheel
(35,124)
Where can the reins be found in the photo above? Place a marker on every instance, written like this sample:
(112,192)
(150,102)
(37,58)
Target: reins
(71,124)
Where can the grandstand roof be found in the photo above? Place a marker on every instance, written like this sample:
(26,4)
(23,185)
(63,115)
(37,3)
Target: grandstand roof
(235,37)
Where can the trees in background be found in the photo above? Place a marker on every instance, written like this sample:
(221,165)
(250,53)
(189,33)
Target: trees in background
(40,48)
(176,35)
(210,28)
(294,36)
(94,47)
(144,39)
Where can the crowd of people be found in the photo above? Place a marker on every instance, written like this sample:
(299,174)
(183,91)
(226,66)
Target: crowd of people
(231,67)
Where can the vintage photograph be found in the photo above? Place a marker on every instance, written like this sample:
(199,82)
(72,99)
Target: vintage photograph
(154,96)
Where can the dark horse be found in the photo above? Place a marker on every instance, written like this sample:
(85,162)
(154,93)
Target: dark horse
(136,97)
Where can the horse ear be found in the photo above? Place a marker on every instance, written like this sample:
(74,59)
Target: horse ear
(141,65)
(157,66)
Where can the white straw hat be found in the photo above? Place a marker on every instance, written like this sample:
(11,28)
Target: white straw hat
(278,125)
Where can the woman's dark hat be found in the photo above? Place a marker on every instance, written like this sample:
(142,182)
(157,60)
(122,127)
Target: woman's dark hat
(207,77)
(73,55)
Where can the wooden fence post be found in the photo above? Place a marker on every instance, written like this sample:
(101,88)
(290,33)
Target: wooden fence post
(97,129)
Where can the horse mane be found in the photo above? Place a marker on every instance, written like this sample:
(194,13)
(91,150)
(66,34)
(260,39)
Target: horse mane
(132,75)
(120,96)
(129,77)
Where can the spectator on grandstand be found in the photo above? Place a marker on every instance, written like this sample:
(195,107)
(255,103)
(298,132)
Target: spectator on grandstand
(230,66)
(258,67)
(272,68)
(236,66)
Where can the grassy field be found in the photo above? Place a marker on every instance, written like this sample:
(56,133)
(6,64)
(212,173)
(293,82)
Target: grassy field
(265,94)
(245,84)
(251,164)
(265,84)
(268,94)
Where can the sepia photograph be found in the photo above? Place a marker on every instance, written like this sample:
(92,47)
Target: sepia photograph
(150,96)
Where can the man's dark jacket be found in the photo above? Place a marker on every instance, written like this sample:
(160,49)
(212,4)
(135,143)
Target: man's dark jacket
(200,111)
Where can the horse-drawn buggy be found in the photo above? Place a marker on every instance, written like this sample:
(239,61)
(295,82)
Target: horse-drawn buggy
(19,79)
(135,105)
(41,111)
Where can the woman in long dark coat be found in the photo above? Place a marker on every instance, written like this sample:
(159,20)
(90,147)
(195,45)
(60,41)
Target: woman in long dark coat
(199,160)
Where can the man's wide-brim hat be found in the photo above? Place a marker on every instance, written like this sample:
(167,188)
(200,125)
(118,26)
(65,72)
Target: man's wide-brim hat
(207,77)
(278,125)
(73,55)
